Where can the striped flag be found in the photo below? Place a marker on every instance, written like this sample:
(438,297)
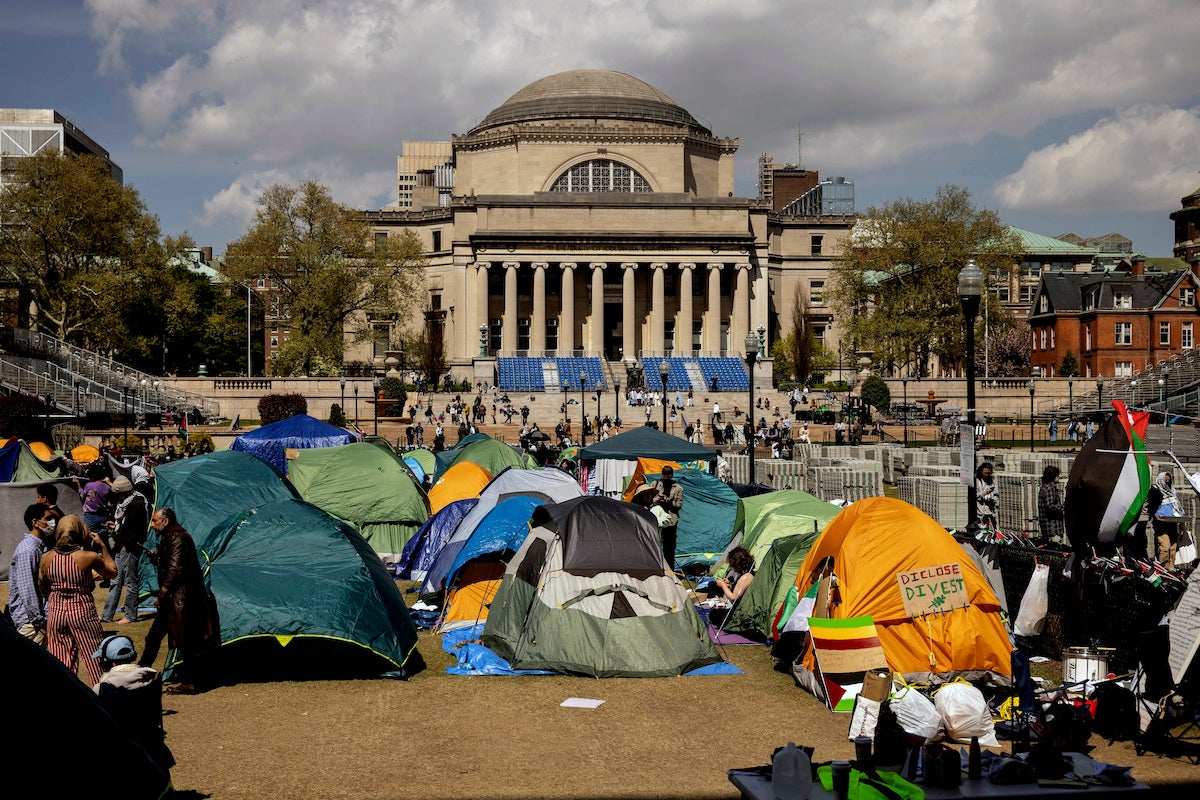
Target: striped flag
(846,649)
(796,610)
(1109,480)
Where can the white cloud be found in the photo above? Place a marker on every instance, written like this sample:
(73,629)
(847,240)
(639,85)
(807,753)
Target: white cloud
(1145,158)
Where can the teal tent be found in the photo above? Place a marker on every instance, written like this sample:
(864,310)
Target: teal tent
(366,485)
(706,519)
(647,442)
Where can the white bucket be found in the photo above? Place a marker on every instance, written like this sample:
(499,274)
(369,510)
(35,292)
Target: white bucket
(1083,664)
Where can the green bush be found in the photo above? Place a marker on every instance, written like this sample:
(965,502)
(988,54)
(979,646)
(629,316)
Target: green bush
(128,443)
(337,416)
(274,407)
(876,394)
(197,439)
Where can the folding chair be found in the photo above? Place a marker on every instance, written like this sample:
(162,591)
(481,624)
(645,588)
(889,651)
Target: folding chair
(1170,713)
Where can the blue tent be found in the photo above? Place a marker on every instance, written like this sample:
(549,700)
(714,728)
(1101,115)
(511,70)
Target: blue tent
(504,528)
(422,549)
(270,442)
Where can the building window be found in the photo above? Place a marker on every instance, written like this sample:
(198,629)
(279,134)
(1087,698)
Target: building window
(1186,341)
(819,333)
(1034,345)
(1123,369)
(524,327)
(1187,296)
(1087,338)
(1027,293)
(600,175)
(1002,294)
(1124,333)
(1043,304)
(274,341)
(551,334)
(816,292)
(818,242)
(1052,338)
(1164,333)
(669,334)
(380,240)
(379,339)
(437,241)
(1043,338)
(1122,299)
(261,283)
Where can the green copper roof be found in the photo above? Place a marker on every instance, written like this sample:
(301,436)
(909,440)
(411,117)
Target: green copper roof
(1038,244)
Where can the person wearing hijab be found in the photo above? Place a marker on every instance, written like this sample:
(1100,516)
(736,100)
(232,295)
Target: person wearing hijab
(1163,506)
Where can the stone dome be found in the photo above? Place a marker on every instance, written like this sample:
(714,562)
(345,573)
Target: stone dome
(589,93)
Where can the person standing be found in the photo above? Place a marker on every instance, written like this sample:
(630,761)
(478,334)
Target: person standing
(669,497)
(26,604)
(73,630)
(1051,519)
(1164,518)
(986,497)
(94,495)
(129,527)
(185,616)
(47,495)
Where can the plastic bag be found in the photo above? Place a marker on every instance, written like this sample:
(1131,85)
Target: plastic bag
(1185,553)
(916,713)
(1032,615)
(964,713)
(865,717)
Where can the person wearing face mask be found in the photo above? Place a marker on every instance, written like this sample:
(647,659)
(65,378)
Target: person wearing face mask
(73,629)
(26,605)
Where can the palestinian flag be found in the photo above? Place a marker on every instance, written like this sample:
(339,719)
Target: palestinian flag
(846,649)
(183,426)
(1109,480)
(796,610)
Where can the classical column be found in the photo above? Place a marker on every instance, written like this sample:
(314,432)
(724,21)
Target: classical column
(596,323)
(684,323)
(537,333)
(629,337)
(566,321)
(467,326)
(739,318)
(508,331)
(712,312)
(481,305)
(658,307)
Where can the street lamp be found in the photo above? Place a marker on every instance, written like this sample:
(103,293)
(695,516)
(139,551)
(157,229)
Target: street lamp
(1099,392)
(342,381)
(1162,399)
(751,344)
(904,383)
(1070,399)
(582,410)
(356,404)
(1031,390)
(599,392)
(617,401)
(664,369)
(375,383)
(970,290)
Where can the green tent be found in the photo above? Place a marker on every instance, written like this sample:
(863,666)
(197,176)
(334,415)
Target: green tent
(367,486)
(763,518)
(589,593)
(425,457)
(754,612)
(300,594)
(647,442)
(491,454)
(31,468)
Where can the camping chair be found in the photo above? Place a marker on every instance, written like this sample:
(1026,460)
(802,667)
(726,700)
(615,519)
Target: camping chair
(139,711)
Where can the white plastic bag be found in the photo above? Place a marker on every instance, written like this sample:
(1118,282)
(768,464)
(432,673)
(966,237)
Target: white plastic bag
(864,718)
(916,713)
(964,713)
(1032,615)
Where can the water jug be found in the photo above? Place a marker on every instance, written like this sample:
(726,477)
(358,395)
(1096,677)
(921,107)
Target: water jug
(791,774)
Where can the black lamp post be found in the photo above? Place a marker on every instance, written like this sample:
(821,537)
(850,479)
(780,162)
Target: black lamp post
(1099,392)
(599,392)
(356,404)
(1162,399)
(617,401)
(664,370)
(1070,398)
(1031,391)
(582,410)
(125,416)
(375,384)
(342,381)
(970,290)
(904,383)
(751,357)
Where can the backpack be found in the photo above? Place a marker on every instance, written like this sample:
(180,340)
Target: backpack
(1116,712)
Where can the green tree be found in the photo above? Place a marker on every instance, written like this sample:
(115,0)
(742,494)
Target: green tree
(802,341)
(895,284)
(76,241)
(327,272)
(876,394)
(1069,368)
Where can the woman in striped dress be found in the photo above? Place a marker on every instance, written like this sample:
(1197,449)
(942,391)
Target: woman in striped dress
(73,629)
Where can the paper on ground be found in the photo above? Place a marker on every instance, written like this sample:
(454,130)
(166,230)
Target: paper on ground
(580,702)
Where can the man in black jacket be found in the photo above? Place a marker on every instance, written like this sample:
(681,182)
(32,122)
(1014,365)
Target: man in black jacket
(128,533)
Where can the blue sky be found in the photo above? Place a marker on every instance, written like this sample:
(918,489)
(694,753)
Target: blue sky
(1064,115)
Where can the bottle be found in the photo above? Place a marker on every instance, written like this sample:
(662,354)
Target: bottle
(791,774)
(974,760)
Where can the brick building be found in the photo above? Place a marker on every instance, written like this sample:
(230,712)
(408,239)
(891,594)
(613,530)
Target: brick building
(1117,322)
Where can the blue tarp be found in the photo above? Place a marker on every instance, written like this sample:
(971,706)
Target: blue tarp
(504,528)
(422,549)
(300,432)
(8,459)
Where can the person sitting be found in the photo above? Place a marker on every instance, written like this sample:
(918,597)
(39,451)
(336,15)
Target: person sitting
(133,695)
(735,583)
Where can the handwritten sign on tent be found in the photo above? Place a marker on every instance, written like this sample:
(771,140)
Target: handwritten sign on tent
(930,590)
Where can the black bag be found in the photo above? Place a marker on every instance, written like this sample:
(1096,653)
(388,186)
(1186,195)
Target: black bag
(891,742)
(1116,712)
(1066,727)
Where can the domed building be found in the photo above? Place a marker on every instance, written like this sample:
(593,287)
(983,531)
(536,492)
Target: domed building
(589,214)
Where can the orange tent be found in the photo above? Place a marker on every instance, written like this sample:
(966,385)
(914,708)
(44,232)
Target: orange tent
(85,454)
(463,480)
(42,451)
(646,466)
(885,554)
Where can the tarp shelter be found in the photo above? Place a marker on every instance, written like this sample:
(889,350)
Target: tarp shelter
(706,517)
(366,485)
(422,549)
(14,499)
(763,518)
(460,482)
(492,454)
(301,432)
(300,594)
(604,465)
(547,485)
(20,463)
(775,574)
(589,593)
(47,696)
(888,557)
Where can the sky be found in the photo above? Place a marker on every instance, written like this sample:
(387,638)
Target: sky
(1077,116)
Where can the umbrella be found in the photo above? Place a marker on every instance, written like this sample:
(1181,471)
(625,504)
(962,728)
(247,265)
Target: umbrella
(538,436)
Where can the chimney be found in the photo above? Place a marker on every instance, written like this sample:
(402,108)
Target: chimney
(1194,263)
(206,255)
(1138,266)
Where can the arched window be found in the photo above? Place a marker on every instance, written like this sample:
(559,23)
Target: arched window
(600,175)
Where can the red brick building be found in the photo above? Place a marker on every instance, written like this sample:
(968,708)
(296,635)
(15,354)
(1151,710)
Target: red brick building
(1116,322)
